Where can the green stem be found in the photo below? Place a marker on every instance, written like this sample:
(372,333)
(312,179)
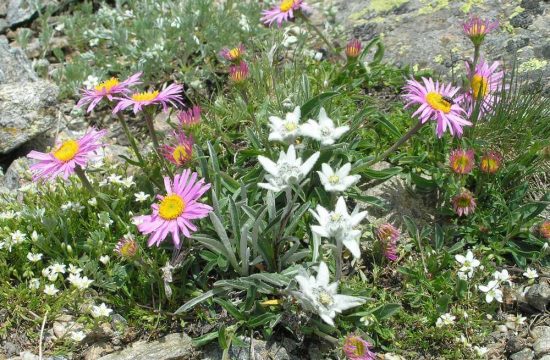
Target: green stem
(131,138)
(154,138)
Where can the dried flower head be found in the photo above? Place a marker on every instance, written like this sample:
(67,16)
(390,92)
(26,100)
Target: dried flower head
(464,203)
(490,162)
(126,247)
(544,229)
(388,236)
(462,161)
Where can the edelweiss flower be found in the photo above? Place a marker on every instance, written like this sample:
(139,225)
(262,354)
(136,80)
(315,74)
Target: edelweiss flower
(445,320)
(101,311)
(286,130)
(180,150)
(324,130)
(492,291)
(287,171)
(356,348)
(485,84)
(170,95)
(462,161)
(339,180)
(106,90)
(286,11)
(468,262)
(318,296)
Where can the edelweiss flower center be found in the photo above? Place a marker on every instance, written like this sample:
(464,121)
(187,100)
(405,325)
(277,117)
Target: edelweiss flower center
(480,86)
(107,85)
(334,179)
(171,207)
(286,5)
(335,217)
(291,126)
(325,298)
(289,172)
(67,151)
(325,131)
(145,96)
(437,102)
(179,154)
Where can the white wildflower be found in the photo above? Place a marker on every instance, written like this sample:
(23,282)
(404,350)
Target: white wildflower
(531,274)
(468,262)
(34,257)
(77,336)
(50,290)
(101,311)
(104,259)
(492,291)
(141,196)
(339,180)
(34,283)
(445,320)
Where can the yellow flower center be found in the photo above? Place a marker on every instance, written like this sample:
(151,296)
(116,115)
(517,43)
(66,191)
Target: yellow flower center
(180,154)
(286,5)
(145,96)
(479,86)
(107,85)
(359,347)
(489,165)
(478,29)
(335,217)
(291,126)
(334,179)
(436,101)
(461,163)
(464,202)
(128,249)
(325,298)
(66,151)
(171,207)
(235,53)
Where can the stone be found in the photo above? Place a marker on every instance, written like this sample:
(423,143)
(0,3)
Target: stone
(538,296)
(176,346)
(98,349)
(525,354)
(17,174)
(14,65)
(540,332)
(63,326)
(522,20)
(20,11)
(27,110)
(11,348)
(515,344)
(542,346)
(545,357)
(27,355)
(262,350)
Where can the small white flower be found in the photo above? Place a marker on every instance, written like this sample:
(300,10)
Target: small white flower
(128,182)
(34,236)
(7,215)
(468,262)
(77,336)
(514,322)
(34,283)
(339,180)
(101,311)
(492,292)
(58,268)
(50,290)
(115,179)
(80,283)
(324,130)
(67,206)
(286,130)
(92,202)
(462,276)
(94,42)
(91,81)
(74,269)
(17,237)
(531,274)
(318,56)
(502,276)
(104,259)
(141,196)
(103,183)
(445,320)
(77,207)
(46,272)
(481,351)
(34,257)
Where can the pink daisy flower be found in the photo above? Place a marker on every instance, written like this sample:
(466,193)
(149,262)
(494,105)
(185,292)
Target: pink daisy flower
(462,161)
(490,162)
(436,103)
(66,156)
(176,210)
(239,73)
(485,83)
(234,55)
(356,348)
(286,11)
(180,150)
(107,89)
(476,29)
(170,95)
(353,49)
(464,203)
(190,117)
(126,248)
(388,236)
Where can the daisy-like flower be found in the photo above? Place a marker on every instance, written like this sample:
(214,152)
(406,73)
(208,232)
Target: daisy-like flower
(339,180)
(531,274)
(239,73)
(436,104)
(464,203)
(286,11)
(141,196)
(58,268)
(324,129)
(18,237)
(485,84)
(353,49)
(319,296)
(468,263)
(50,289)
(356,348)
(234,55)
(492,291)
(107,90)
(92,202)
(490,162)
(445,320)
(176,209)
(544,229)
(287,171)
(74,269)
(34,283)
(101,311)
(388,236)
(502,277)
(67,156)
(190,117)
(476,29)
(180,149)
(34,257)
(171,95)
(462,161)
(287,129)
(126,248)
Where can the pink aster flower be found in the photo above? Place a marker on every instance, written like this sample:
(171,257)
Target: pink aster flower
(190,117)
(356,348)
(126,248)
(476,29)
(353,49)
(239,73)
(180,150)
(462,161)
(490,162)
(485,84)
(436,103)
(107,89)
(66,156)
(388,236)
(176,210)
(464,203)
(170,95)
(234,55)
(544,229)
(286,11)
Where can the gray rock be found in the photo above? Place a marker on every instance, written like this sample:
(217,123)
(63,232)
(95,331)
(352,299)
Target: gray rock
(3,25)
(16,174)
(542,346)
(538,296)
(540,332)
(262,350)
(545,357)
(522,20)
(171,347)
(14,65)
(525,354)
(20,11)
(515,344)
(27,109)
(11,348)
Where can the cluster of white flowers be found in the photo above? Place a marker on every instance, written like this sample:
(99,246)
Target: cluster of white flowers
(80,282)
(72,206)
(492,290)
(8,215)
(100,311)
(15,238)
(52,273)
(127,182)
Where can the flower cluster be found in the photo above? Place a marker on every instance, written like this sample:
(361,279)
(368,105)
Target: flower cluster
(388,235)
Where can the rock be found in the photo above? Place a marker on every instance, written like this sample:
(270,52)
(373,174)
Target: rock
(542,346)
(64,325)
(538,296)
(17,174)
(14,65)
(176,346)
(20,11)
(522,20)
(26,355)
(545,357)
(98,349)
(262,350)
(11,348)
(27,109)
(3,25)
(515,344)
(540,332)
(525,354)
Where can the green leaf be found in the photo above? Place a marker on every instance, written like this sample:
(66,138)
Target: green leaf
(205,339)
(439,237)
(197,300)
(386,311)
(220,230)
(315,102)
(443,303)
(231,309)
(412,229)
(381,174)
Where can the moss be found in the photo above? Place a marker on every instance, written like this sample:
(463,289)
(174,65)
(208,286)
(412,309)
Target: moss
(432,6)
(377,6)
(466,7)
(533,64)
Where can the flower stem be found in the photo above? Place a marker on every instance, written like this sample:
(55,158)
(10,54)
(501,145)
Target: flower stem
(131,138)
(154,138)
(338,258)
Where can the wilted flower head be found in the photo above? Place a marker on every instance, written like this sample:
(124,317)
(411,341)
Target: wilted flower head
(126,247)
(462,161)
(170,95)
(476,29)
(490,162)
(286,11)
(67,156)
(544,229)
(180,149)
(436,104)
(234,55)
(388,236)
(190,117)
(239,73)
(356,348)
(353,49)
(107,89)
(464,203)
(485,85)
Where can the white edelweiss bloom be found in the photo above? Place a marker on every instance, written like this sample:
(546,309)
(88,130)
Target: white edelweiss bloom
(104,259)
(77,336)
(339,180)
(58,268)
(468,262)
(531,274)
(101,311)
(80,282)
(445,320)
(502,276)
(324,130)
(319,296)
(514,322)
(492,291)
(34,257)
(50,289)
(74,269)
(34,283)
(17,237)
(92,202)
(286,130)
(141,196)
(287,171)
